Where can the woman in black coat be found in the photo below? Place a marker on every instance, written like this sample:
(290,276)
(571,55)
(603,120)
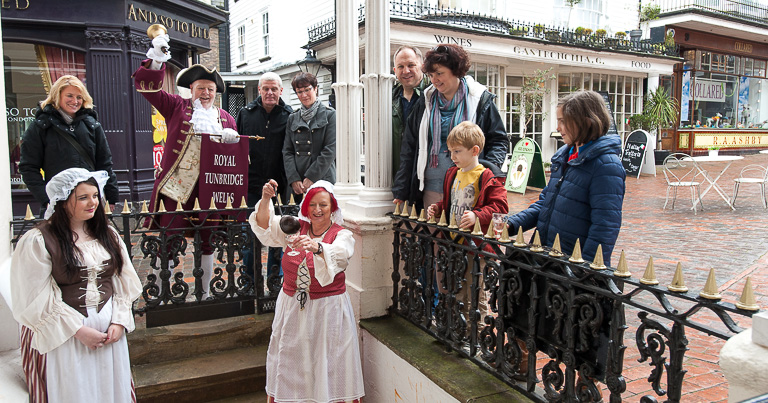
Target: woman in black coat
(65,134)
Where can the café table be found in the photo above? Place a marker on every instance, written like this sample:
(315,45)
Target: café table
(763,151)
(727,160)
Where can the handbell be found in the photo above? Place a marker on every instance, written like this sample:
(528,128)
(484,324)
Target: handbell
(156,29)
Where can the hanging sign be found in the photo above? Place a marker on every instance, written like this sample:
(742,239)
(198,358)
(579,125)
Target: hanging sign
(525,167)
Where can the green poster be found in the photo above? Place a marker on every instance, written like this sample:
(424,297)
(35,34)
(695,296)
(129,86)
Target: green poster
(525,167)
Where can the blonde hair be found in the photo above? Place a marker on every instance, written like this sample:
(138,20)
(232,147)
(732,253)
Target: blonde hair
(63,82)
(466,134)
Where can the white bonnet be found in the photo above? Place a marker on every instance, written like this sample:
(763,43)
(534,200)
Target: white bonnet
(335,215)
(62,184)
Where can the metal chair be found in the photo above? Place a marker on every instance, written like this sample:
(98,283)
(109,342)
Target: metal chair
(681,171)
(752,174)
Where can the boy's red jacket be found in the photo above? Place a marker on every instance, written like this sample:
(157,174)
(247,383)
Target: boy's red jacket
(493,197)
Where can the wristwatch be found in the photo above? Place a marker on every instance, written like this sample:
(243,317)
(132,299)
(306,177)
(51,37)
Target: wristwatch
(319,249)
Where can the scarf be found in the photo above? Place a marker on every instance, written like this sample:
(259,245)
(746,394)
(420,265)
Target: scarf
(308,113)
(439,103)
(67,119)
(205,120)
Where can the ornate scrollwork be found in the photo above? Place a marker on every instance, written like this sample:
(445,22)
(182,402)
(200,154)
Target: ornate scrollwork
(654,345)
(555,298)
(105,37)
(553,379)
(589,318)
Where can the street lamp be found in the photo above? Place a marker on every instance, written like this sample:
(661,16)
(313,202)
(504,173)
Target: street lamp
(310,63)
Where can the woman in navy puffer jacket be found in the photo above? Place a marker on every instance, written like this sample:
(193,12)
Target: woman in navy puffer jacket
(586,190)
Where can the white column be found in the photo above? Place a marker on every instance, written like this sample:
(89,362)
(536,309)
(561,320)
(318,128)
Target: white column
(653,82)
(744,361)
(376,198)
(347,87)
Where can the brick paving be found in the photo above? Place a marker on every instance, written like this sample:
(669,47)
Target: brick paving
(734,243)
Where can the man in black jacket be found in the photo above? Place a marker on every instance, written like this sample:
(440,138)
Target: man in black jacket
(266,117)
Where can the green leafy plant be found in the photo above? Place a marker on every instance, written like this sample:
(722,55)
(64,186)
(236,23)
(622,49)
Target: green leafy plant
(641,121)
(713,148)
(600,33)
(538,29)
(620,35)
(649,12)
(587,32)
(662,110)
(535,88)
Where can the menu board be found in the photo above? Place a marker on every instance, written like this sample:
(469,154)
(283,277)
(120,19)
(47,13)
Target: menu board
(633,156)
(612,129)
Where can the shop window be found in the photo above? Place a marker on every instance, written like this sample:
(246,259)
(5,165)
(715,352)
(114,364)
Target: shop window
(265,32)
(241,43)
(29,72)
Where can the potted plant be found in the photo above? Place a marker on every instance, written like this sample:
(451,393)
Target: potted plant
(662,111)
(713,150)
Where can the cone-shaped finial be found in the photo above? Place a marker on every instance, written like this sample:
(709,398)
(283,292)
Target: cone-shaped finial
(490,234)
(519,241)
(422,216)
(504,237)
(576,255)
(405,209)
(243,204)
(555,251)
(442,222)
(229,204)
(649,277)
(479,231)
(197,205)
(397,209)
(213,204)
(292,202)
(179,207)
(432,220)
(413,215)
(453,222)
(747,301)
(161,207)
(710,287)
(279,200)
(536,247)
(622,270)
(126,209)
(29,215)
(598,263)
(144,208)
(678,284)
(107,209)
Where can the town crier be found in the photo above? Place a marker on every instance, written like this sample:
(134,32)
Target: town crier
(203,158)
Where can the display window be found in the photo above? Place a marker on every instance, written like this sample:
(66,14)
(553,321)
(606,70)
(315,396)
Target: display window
(30,69)
(721,91)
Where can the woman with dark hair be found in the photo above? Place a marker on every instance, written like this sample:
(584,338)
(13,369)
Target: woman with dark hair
(73,290)
(585,193)
(453,97)
(313,354)
(309,151)
(66,133)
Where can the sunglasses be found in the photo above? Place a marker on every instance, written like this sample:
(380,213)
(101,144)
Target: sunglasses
(440,49)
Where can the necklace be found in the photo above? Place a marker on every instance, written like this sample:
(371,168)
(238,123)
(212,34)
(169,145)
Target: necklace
(311,231)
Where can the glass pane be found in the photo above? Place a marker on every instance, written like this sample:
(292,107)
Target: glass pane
(752,101)
(715,101)
(587,81)
(575,82)
(481,73)
(30,71)
(563,83)
(612,84)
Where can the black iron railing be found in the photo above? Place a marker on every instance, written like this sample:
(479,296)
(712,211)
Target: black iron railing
(746,10)
(544,306)
(171,261)
(417,12)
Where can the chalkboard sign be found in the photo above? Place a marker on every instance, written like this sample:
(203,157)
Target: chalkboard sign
(609,105)
(634,152)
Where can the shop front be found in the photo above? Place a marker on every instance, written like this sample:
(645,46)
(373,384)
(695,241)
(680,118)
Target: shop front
(723,93)
(101,43)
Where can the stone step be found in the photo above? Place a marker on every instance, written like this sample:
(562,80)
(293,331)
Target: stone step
(175,342)
(258,397)
(202,377)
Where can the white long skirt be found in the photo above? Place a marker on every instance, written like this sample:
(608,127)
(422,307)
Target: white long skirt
(314,354)
(78,374)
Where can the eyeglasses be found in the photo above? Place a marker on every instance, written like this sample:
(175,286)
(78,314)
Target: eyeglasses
(440,49)
(302,91)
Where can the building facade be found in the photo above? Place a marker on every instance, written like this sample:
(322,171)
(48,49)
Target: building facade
(721,85)
(102,43)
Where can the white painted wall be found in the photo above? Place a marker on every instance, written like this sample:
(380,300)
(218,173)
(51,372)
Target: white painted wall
(388,378)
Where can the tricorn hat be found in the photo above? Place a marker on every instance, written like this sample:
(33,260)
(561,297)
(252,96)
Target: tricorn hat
(199,72)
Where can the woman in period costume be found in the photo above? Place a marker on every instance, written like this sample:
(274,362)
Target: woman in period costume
(73,289)
(313,352)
